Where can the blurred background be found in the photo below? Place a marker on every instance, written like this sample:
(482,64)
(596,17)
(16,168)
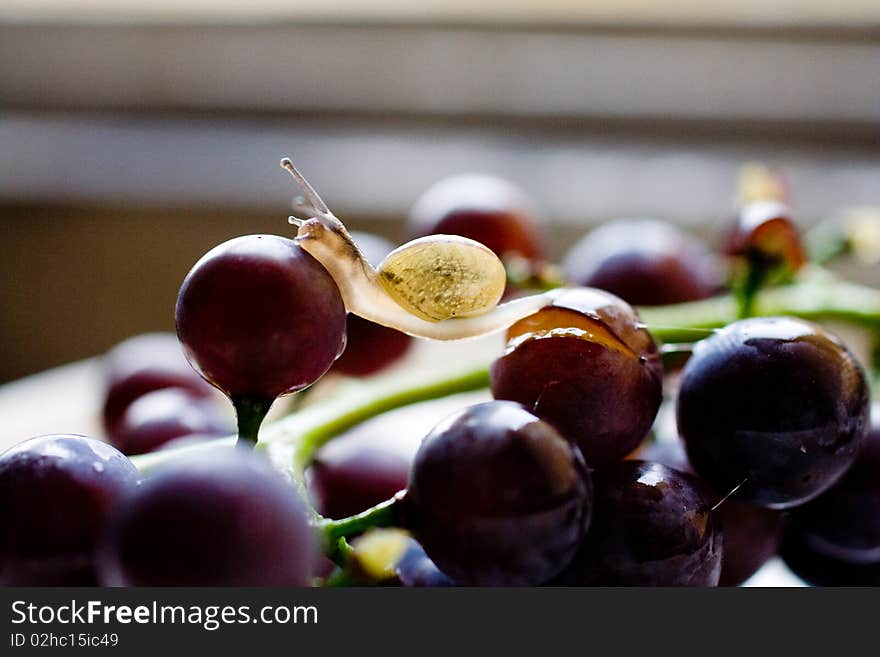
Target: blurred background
(135,135)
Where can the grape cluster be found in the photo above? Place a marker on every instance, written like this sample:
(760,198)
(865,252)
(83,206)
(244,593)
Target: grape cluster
(555,473)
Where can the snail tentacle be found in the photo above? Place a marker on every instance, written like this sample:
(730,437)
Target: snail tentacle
(308,190)
(304,208)
(326,239)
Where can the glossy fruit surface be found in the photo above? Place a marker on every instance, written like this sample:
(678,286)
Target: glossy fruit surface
(56,494)
(777,403)
(843,524)
(644,262)
(586,365)
(415,569)
(258,317)
(224,519)
(370,347)
(164,415)
(652,526)
(142,364)
(751,533)
(484,208)
(498,497)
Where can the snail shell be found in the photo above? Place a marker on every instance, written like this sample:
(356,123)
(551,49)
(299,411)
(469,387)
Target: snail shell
(439,277)
(440,287)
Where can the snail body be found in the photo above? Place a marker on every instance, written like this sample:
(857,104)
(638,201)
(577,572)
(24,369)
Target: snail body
(440,287)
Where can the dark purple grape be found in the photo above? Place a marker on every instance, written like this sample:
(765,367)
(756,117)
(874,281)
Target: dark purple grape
(370,347)
(644,262)
(371,462)
(589,367)
(843,524)
(142,364)
(751,533)
(484,208)
(415,569)
(777,403)
(652,526)
(56,494)
(752,536)
(351,474)
(259,317)
(161,416)
(224,519)
(821,570)
(498,497)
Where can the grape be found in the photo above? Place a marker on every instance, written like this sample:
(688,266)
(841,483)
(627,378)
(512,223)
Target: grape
(352,473)
(415,569)
(142,364)
(484,208)
(369,346)
(645,262)
(652,526)
(258,317)
(56,494)
(498,497)
(821,570)
(752,536)
(751,533)
(776,403)
(842,526)
(586,365)
(220,519)
(371,462)
(160,416)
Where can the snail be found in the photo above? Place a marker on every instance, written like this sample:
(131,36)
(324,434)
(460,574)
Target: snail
(440,287)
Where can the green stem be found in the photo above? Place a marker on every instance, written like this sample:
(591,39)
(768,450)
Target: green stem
(671,335)
(342,577)
(675,355)
(754,276)
(366,401)
(815,299)
(250,413)
(339,551)
(385,514)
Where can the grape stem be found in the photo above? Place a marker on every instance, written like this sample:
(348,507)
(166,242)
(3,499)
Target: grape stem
(675,354)
(385,514)
(250,413)
(754,276)
(816,297)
